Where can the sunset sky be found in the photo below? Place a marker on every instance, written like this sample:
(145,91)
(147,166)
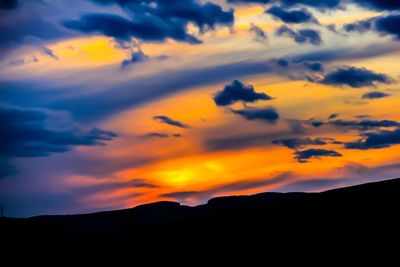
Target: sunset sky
(109,104)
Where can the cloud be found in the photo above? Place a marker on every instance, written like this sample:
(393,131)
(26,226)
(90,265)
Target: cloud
(313,66)
(361,125)
(151,87)
(376,140)
(347,53)
(294,16)
(8,4)
(267,114)
(299,143)
(379,4)
(37,133)
(162,135)
(259,34)
(18,28)
(333,116)
(48,52)
(237,91)
(136,57)
(154,21)
(301,36)
(355,77)
(374,95)
(326,4)
(304,155)
(365,124)
(169,121)
(384,25)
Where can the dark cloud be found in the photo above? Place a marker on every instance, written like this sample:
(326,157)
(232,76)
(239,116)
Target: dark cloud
(169,121)
(304,155)
(355,77)
(121,28)
(333,116)
(30,24)
(238,91)
(283,62)
(348,53)
(361,125)
(250,1)
(365,124)
(8,4)
(300,36)
(374,95)
(267,114)
(259,34)
(162,135)
(294,16)
(313,66)
(48,52)
(154,20)
(136,57)
(326,4)
(384,25)
(333,28)
(379,4)
(93,106)
(28,133)
(300,143)
(376,140)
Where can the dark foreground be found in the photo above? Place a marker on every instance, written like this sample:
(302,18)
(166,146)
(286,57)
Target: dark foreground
(373,206)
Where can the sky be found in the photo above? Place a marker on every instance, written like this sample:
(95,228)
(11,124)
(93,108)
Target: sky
(109,104)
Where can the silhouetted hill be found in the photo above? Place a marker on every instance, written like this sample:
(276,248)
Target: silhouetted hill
(370,205)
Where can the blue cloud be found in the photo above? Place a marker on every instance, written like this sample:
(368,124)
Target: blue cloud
(27,133)
(237,91)
(298,143)
(355,77)
(136,57)
(301,36)
(326,4)
(379,4)
(374,95)
(170,121)
(385,25)
(304,155)
(154,20)
(162,135)
(376,140)
(268,114)
(8,4)
(260,35)
(292,16)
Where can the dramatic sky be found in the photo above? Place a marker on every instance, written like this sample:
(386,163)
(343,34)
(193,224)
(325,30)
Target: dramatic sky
(108,104)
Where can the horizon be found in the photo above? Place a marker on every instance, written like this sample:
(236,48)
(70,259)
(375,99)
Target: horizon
(109,104)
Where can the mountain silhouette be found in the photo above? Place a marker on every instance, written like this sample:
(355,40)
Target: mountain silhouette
(371,205)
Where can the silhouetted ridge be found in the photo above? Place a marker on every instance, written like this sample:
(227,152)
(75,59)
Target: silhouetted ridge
(369,205)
